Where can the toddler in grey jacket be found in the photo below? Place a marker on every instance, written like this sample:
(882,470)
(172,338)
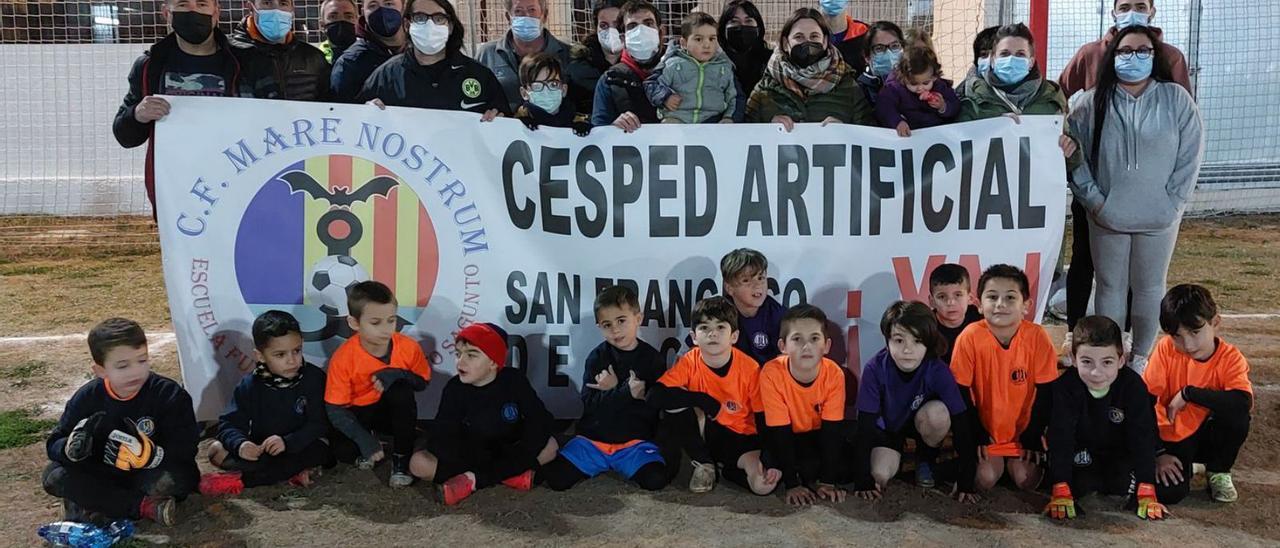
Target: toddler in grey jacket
(695,83)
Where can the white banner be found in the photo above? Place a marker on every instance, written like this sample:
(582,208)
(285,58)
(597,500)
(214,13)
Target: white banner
(272,204)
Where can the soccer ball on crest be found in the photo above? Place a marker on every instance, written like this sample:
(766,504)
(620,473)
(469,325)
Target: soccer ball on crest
(330,277)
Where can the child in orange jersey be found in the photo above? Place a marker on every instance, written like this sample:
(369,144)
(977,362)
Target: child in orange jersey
(1203,396)
(803,395)
(372,380)
(712,397)
(1003,365)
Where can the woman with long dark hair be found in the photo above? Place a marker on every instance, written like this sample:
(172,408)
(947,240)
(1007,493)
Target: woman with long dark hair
(741,34)
(806,80)
(1142,139)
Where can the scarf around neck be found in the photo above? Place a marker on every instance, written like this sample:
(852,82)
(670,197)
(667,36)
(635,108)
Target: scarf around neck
(816,79)
(264,374)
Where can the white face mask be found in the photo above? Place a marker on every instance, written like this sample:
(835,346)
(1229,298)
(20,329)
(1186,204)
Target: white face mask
(610,41)
(642,42)
(429,38)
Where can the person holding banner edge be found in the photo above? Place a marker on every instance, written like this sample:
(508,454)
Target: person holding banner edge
(1014,86)
(1143,141)
(434,73)
(194,59)
(806,80)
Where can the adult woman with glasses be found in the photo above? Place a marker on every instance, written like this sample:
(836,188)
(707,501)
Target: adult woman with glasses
(884,48)
(434,73)
(1142,140)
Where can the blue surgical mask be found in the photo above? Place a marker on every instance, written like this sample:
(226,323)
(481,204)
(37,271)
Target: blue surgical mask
(832,7)
(548,100)
(526,29)
(1011,69)
(1133,70)
(274,24)
(984,64)
(1131,18)
(882,63)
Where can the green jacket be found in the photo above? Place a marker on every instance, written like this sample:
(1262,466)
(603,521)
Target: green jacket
(846,102)
(981,101)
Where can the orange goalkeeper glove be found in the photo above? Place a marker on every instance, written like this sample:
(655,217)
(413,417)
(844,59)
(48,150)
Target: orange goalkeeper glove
(1148,506)
(1061,505)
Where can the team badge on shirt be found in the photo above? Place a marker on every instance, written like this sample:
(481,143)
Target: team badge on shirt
(146,426)
(731,405)
(510,412)
(1019,376)
(1083,458)
(916,403)
(300,405)
(760,340)
(471,88)
(1115,415)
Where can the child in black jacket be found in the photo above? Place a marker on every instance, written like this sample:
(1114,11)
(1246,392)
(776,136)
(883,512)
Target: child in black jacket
(271,430)
(1102,430)
(491,426)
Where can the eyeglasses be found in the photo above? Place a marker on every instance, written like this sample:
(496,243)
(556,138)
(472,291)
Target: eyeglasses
(1142,53)
(437,18)
(553,85)
(881,48)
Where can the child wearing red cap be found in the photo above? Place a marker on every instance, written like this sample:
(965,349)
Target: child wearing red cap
(490,428)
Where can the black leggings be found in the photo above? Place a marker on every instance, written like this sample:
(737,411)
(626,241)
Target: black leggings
(560,475)
(1216,444)
(1080,275)
(115,495)
(270,470)
(396,414)
(715,445)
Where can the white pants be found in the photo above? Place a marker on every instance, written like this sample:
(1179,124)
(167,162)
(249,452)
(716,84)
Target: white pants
(1137,262)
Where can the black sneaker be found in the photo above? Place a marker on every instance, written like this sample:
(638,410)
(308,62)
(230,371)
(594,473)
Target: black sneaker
(400,476)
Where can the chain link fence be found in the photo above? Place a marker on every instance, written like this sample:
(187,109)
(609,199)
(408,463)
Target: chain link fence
(63,66)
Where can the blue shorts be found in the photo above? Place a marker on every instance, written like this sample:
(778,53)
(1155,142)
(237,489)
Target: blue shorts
(592,461)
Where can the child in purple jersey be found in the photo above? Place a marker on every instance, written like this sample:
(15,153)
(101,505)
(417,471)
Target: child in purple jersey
(746,277)
(907,390)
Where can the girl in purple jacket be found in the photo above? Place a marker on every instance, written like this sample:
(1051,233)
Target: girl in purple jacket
(916,95)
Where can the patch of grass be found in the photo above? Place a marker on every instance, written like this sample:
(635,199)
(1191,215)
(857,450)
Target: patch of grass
(25,370)
(19,428)
(26,270)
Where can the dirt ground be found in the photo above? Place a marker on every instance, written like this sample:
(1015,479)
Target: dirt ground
(59,298)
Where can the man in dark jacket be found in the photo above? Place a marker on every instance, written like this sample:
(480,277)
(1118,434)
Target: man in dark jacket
(381,35)
(528,35)
(194,59)
(620,98)
(278,63)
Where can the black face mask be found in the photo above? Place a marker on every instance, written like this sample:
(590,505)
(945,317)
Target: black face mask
(191,27)
(742,38)
(341,34)
(806,54)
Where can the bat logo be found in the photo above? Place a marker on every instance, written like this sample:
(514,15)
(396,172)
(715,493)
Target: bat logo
(339,229)
(300,181)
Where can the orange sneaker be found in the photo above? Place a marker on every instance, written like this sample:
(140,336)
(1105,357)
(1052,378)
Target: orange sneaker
(522,482)
(220,484)
(456,489)
(305,478)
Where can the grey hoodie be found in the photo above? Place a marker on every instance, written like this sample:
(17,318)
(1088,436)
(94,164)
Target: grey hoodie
(1149,160)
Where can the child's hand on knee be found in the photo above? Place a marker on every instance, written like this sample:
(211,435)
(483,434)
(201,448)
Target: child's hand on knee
(1168,470)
